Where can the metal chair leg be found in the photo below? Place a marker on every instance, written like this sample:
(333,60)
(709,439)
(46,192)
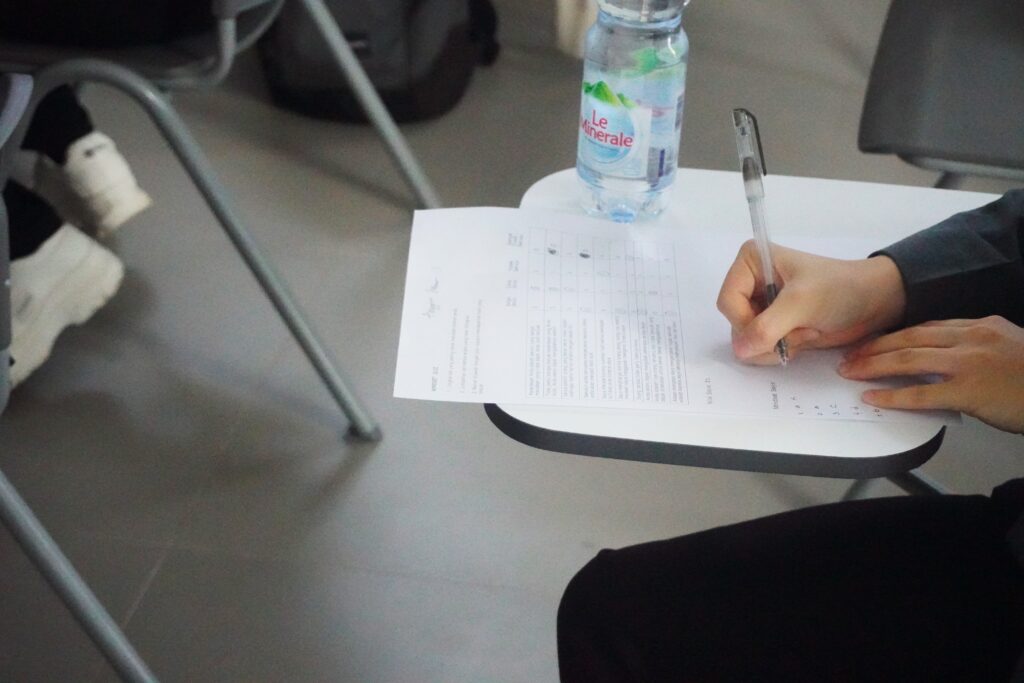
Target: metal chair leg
(61,575)
(857,489)
(949,181)
(916,482)
(195,163)
(375,110)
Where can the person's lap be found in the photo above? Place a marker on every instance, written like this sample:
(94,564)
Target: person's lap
(887,589)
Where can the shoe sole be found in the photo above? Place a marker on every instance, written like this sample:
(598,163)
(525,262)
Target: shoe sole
(93,280)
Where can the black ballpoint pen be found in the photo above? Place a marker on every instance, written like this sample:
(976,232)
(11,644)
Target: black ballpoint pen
(748,145)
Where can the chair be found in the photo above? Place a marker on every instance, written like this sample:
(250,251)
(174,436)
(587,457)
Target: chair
(944,94)
(14,512)
(199,61)
(205,59)
(945,89)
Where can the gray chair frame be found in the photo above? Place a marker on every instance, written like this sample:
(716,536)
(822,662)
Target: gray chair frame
(944,95)
(205,60)
(16,106)
(194,161)
(914,482)
(376,112)
(944,91)
(15,513)
(205,72)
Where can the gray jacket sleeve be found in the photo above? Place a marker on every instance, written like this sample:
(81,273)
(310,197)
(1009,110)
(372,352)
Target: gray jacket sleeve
(968,266)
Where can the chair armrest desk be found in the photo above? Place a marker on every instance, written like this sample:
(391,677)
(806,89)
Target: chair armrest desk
(798,207)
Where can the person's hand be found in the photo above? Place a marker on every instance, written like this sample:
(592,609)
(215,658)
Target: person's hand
(822,302)
(981,363)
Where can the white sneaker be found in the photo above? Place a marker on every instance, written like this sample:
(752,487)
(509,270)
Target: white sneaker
(94,188)
(63,283)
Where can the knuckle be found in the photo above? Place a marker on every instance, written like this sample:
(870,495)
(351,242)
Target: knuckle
(957,363)
(722,303)
(996,321)
(917,395)
(798,295)
(972,359)
(915,336)
(982,333)
(962,395)
(757,331)
(905,357)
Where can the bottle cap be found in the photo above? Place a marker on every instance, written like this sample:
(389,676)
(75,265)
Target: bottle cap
(643,10)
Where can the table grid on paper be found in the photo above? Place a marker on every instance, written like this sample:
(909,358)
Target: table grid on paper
(603,320)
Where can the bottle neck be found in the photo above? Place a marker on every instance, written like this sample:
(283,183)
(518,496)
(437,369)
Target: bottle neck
(664,20)
(648,13)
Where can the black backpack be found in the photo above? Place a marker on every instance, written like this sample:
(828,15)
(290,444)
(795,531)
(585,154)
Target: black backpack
(419,54)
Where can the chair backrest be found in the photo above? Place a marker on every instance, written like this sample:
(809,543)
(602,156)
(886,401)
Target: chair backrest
(15,90)
(946,83)
(191,61)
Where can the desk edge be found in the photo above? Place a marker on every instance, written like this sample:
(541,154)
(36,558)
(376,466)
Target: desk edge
(713,457)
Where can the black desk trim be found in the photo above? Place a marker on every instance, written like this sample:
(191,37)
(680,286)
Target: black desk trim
(708,456)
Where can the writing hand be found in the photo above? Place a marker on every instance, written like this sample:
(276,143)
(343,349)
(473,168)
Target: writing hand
(981,363)
(822,302)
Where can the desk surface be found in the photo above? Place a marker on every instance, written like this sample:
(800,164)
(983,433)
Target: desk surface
(798,207)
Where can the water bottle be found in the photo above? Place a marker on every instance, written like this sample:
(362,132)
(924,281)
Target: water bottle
(634,74)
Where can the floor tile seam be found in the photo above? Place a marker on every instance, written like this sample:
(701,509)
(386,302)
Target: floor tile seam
(219,453)
(165,551)
(147,582)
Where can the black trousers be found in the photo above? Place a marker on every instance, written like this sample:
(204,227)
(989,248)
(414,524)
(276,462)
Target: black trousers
(892,589)
(58,121)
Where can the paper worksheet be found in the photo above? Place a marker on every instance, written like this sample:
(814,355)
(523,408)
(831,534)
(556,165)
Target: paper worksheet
(537,307)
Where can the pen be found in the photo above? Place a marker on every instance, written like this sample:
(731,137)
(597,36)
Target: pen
(748,145)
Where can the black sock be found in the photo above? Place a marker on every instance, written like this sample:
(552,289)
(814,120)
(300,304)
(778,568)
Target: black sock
(58,121)
(31,221)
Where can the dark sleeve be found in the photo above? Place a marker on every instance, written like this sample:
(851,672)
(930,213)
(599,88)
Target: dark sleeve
(967,266)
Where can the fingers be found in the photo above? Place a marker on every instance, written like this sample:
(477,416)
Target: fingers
(957,322)
(922,350)
(735,299)
(922,336)
(919,397)
(802,337)
(901,362)
(761,334)
(796,341)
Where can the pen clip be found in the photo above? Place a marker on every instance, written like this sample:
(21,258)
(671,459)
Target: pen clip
(744,119)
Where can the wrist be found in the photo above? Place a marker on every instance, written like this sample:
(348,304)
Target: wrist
(886,292)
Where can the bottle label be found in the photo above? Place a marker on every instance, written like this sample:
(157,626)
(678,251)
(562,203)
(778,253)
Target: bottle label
(629,123)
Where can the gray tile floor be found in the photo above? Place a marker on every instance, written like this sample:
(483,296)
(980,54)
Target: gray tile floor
(187,459)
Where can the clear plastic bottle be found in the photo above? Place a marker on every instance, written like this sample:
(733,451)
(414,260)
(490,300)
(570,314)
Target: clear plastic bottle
(631,113)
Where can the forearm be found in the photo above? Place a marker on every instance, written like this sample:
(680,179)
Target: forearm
(968,266)
(885,292)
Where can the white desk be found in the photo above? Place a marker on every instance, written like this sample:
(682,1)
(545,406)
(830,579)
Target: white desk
(713,201)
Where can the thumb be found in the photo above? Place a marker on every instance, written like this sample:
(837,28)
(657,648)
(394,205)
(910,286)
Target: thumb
(767,328)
